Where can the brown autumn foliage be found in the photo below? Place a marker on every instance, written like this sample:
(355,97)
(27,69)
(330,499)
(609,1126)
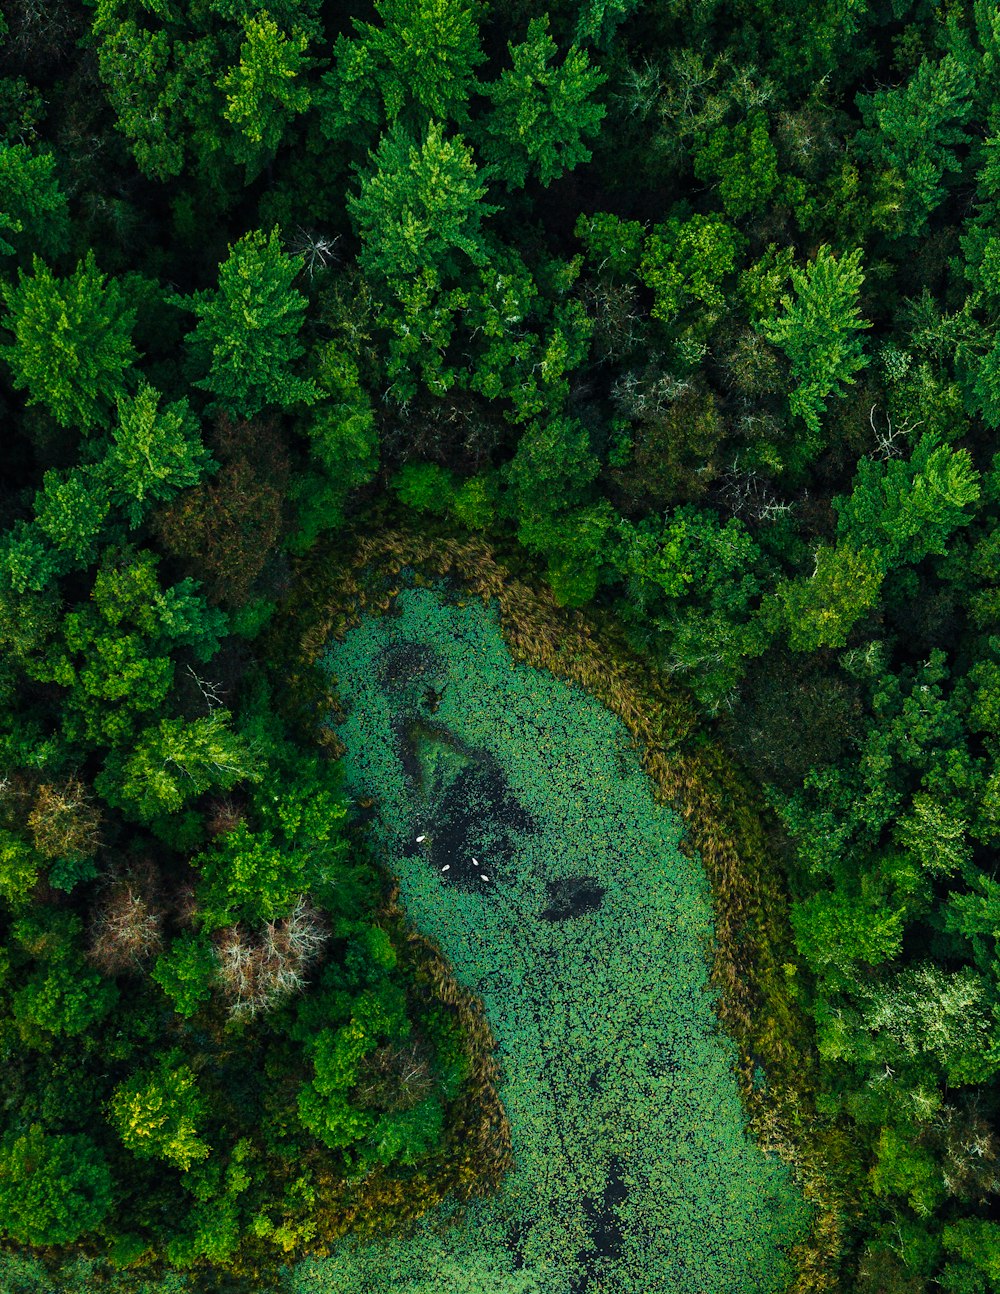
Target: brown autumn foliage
(229,525)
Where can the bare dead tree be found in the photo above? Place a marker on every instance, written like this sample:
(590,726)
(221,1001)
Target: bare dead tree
(258,970)
(126,927)
(749,495)
(212,692)
(64,822)
(317,251)
(888,438)
(397,1076)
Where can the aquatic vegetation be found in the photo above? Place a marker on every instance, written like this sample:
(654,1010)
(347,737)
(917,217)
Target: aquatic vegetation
(528,844)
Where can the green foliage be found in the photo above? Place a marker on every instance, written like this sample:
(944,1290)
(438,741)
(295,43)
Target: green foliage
(690,585)
(70,511)
(420,63)
(903,1168)
(159,1112)
(156,452)
(821,610)
(72,342)
(549,482)
(541,114)
(324,1105)
(33,210)
(112,652)
(176,761)
(977,1244)
(818,331)
(685,262)
(613,245)
(904,510)
(186,972)
(743,163)
(61,997)
(263,92)
(247,334)
(53,1189)
(915,132)
(19,866)
(419,209)
(425,487)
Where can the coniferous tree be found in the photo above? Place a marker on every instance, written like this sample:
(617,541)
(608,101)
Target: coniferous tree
(246,340)
(72,342)
(541,114)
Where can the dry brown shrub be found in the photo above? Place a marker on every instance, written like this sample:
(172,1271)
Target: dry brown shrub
(223,815)
(126,926)
(64,823)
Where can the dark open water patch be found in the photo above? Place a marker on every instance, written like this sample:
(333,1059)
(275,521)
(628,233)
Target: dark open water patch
(401,664)
(465,810)
(572,896)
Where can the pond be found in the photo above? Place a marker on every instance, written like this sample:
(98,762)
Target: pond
(528,844)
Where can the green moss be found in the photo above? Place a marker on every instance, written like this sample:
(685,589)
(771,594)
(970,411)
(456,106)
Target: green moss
(589,946)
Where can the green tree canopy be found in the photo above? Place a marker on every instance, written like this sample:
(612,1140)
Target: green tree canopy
(53,1189)
(175,762)
(247,335)
(265,90)
(155,452)
(420,63)
(541,114)
(159,1113)
(72,342)
(904,509)
(818,330)
(915,132)
(33,212)
(420,209)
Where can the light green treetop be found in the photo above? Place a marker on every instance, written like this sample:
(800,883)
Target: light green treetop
(265,90)
(420,209)
(158,1113)
(155,452)
(53,1189)
(421,63)
(247,330)
(72,341)
(818,329)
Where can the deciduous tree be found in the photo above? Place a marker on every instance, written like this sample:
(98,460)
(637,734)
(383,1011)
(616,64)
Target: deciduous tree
(54,1189)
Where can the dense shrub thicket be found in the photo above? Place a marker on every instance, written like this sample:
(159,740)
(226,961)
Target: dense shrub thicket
(696,303)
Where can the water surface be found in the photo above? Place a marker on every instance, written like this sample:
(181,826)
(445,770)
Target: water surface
(528,845)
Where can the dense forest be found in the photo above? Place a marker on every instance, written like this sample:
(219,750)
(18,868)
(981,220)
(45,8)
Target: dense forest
(688,309)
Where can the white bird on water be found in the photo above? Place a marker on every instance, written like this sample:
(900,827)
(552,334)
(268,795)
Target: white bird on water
(475,862)
(446,867)
(421,839)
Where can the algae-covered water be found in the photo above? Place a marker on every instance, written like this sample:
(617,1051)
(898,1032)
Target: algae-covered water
(528,845)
